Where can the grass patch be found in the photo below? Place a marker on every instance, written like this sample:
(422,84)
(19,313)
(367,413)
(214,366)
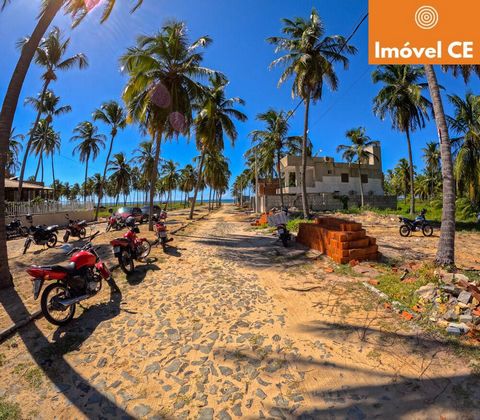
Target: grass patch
(404,292)
(345,270)
(293,225)
(34,377)
(9,410)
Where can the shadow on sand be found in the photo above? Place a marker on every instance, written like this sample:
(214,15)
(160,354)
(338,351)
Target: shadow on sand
(49,356)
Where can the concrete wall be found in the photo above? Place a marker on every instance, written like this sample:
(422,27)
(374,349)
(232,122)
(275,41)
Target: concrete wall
(58,218)
(332,183)
(325,201)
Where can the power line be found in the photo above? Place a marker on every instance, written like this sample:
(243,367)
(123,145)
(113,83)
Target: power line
(340,97)
(355,30)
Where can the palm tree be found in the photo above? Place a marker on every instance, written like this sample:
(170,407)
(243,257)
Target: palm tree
(14,148)
(309,57)
(466,123)
(48,140)
(89,146)
(431,157)
(401,97)
(120,175)
(169,178)
(216,174)
(357,152)
(112,114)
(187,181)
(49,10)
(50,55)
(213,121)
(274,141)
(404,176)
(161,89)
(446,245)
(145,157)
(49,108)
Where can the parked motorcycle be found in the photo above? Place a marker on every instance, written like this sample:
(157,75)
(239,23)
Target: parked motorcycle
(75,228)
(40,235)
(161,230)
(420,223)
(130,247)
(284,235)
(115,221)
(15,228)
(79,280)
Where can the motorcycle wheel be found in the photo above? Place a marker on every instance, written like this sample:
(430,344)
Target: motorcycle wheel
(164,244)
(144,250)
(23,232)
(66,236)
(405,231)
(126,263)
(83,233)
(56,314)
(52,241)
(427,230)
(109,226)
(28,242)
(284,241)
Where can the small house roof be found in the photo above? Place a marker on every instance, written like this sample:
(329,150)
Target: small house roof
(13,183)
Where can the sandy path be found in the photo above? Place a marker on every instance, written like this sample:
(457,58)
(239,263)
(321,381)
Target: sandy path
(214,330)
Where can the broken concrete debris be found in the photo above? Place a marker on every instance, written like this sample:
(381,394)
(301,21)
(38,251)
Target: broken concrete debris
(454,303)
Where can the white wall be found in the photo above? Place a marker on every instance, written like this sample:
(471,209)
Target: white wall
(57,218)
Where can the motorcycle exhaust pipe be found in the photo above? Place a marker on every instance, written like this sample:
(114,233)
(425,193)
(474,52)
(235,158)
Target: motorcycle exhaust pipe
(69,302)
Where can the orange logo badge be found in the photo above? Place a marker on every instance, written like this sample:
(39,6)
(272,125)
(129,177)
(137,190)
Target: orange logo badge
(424,32)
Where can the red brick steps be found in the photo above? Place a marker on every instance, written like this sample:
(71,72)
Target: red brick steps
(339,239)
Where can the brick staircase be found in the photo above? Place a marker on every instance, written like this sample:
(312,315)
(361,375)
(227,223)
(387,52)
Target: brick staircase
(341,240)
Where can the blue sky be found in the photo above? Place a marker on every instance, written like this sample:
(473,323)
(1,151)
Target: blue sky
(239,29)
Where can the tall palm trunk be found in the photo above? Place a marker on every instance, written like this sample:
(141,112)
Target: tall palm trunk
(304,159)
(53,177)
(154,176)
(446,245)
(85,184)
(104,175)
(412,179)
(199,183)
(361,184)
(6,120)
(280,185)
(30,140)
(38,167)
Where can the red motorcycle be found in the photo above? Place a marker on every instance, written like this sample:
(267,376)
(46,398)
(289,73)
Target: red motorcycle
(75,228)
(79,280)
(130,248)
(161,230)
(115,221)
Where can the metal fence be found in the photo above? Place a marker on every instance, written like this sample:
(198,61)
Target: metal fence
(46,207)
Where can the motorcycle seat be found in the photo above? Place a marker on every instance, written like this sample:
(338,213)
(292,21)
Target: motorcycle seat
(69,269)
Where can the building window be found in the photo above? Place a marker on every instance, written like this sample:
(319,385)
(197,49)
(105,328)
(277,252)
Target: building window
(344,177)
(364,178)
(292,179)
(329,172)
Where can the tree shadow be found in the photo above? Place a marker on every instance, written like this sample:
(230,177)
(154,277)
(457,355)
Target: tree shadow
(49,356)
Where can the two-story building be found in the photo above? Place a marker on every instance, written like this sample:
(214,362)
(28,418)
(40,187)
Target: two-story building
(327,180)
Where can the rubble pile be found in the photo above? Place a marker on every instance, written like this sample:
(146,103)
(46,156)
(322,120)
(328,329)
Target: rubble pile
(454,302)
